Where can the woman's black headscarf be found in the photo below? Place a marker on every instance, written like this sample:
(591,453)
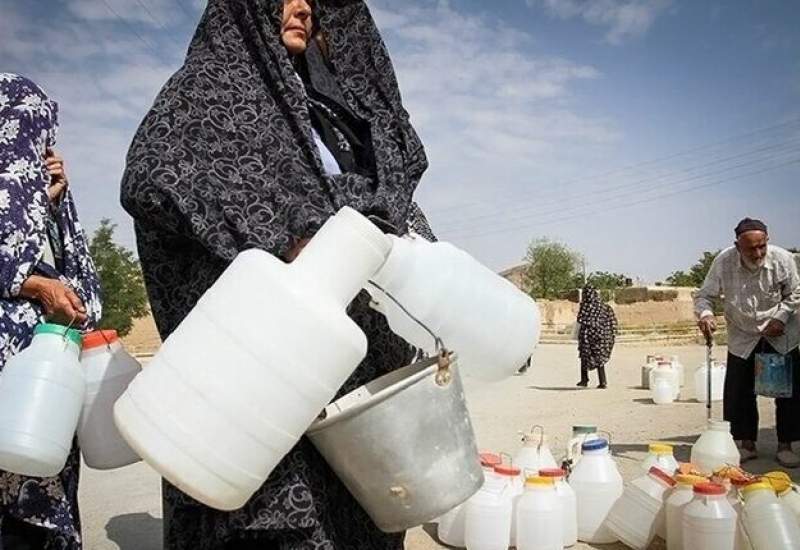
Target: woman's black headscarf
(226,156)
(598,327)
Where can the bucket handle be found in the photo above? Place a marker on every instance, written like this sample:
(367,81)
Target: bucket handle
(443,375)
(533,432)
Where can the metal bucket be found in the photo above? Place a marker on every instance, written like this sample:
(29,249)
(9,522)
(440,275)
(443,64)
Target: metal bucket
(403,444)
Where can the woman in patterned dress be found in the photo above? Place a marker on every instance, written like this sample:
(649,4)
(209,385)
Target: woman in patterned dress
(45,273)
(255,142)
(596,335)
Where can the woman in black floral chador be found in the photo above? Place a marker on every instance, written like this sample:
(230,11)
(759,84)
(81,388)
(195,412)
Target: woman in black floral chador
(45,273)
(596,335)
(255,142)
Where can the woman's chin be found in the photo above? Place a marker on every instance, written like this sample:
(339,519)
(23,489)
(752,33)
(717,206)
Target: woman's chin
(295,46)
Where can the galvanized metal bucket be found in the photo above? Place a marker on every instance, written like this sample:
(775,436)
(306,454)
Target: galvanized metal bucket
(403,444)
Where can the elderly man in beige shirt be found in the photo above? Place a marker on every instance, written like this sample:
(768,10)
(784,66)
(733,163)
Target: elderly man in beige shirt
(760,288)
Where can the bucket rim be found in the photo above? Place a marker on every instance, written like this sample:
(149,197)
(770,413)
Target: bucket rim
(427,367)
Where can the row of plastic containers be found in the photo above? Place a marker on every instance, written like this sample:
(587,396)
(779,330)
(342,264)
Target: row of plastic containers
(62,383)
(665,378)
(533,505)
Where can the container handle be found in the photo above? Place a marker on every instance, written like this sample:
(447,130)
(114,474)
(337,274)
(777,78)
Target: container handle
(108,344)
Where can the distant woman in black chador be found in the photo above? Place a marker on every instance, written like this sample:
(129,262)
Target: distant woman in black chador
(596,334)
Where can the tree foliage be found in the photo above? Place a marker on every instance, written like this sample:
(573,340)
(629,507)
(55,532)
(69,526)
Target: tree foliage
(696,274)
(124,295)
(603,280)
(551,269)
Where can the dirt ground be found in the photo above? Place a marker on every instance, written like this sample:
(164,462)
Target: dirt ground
(121,509)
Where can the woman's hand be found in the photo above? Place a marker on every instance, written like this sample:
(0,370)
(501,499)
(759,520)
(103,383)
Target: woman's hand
(58,175)
(60,302)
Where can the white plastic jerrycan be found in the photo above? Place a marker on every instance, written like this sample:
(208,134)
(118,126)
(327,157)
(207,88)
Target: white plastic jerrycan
(597,484)
(535,454)
(236,385)
(666,376)
(451,527)
(540,516)
(790,497)
(715,448)
(717,382)
(581,433)
(661,455)
(768,523)
(639,515)
(677,365)
(569,505)
(709,521)
(682,494)
(488,515)
(41,395)
(459,300)
(108,370)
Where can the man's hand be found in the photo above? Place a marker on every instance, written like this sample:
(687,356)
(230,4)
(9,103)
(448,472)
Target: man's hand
(708,326)
(60,302)
(774,328)
(58,175)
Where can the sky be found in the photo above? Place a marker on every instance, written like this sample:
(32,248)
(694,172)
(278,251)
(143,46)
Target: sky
(636,132)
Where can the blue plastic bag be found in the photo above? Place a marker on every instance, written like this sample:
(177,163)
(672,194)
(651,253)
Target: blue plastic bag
(773,375)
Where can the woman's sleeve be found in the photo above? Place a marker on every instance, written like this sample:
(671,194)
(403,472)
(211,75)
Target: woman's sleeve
(23,202)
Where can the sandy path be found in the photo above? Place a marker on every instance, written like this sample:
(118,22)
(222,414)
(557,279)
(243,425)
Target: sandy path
(121,509)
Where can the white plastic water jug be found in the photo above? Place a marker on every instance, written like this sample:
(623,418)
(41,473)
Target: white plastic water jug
(569,505)
(457,298)
(236,385)
(513,476)
(597,485)
(791,499)
(638,516)
(682,494)
(539,516)
(717,382)
(108,370)
(41,395)
(581,433)
(677,365)
(662,391)
(535,454)
(709,521)
(767,522)
(661,455)
(648,366)
(488,516)
(665,373)
(450,528)
(715,448)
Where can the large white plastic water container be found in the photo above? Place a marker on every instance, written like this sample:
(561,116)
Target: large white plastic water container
(768,523)
(41,395)
(791,499)
(597,484)
(581,433)
(715,448)
(535,454)
(661,455)
(709,521)
(488,516)
(682,494)
(513,476)
(717,382)
(569,505)
(539,516)
(108,370)
(457,298)
(677,365)
(451,526)
(239,381)
(639,515)
(665,374)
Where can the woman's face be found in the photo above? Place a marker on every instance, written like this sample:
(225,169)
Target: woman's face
(296,25)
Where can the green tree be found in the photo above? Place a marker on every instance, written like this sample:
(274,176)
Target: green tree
(697,273)
(551,268)
(124,295)
(603,280)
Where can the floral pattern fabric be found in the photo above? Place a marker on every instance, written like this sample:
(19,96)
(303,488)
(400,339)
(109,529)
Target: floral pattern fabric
(598,329)
(28,125)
